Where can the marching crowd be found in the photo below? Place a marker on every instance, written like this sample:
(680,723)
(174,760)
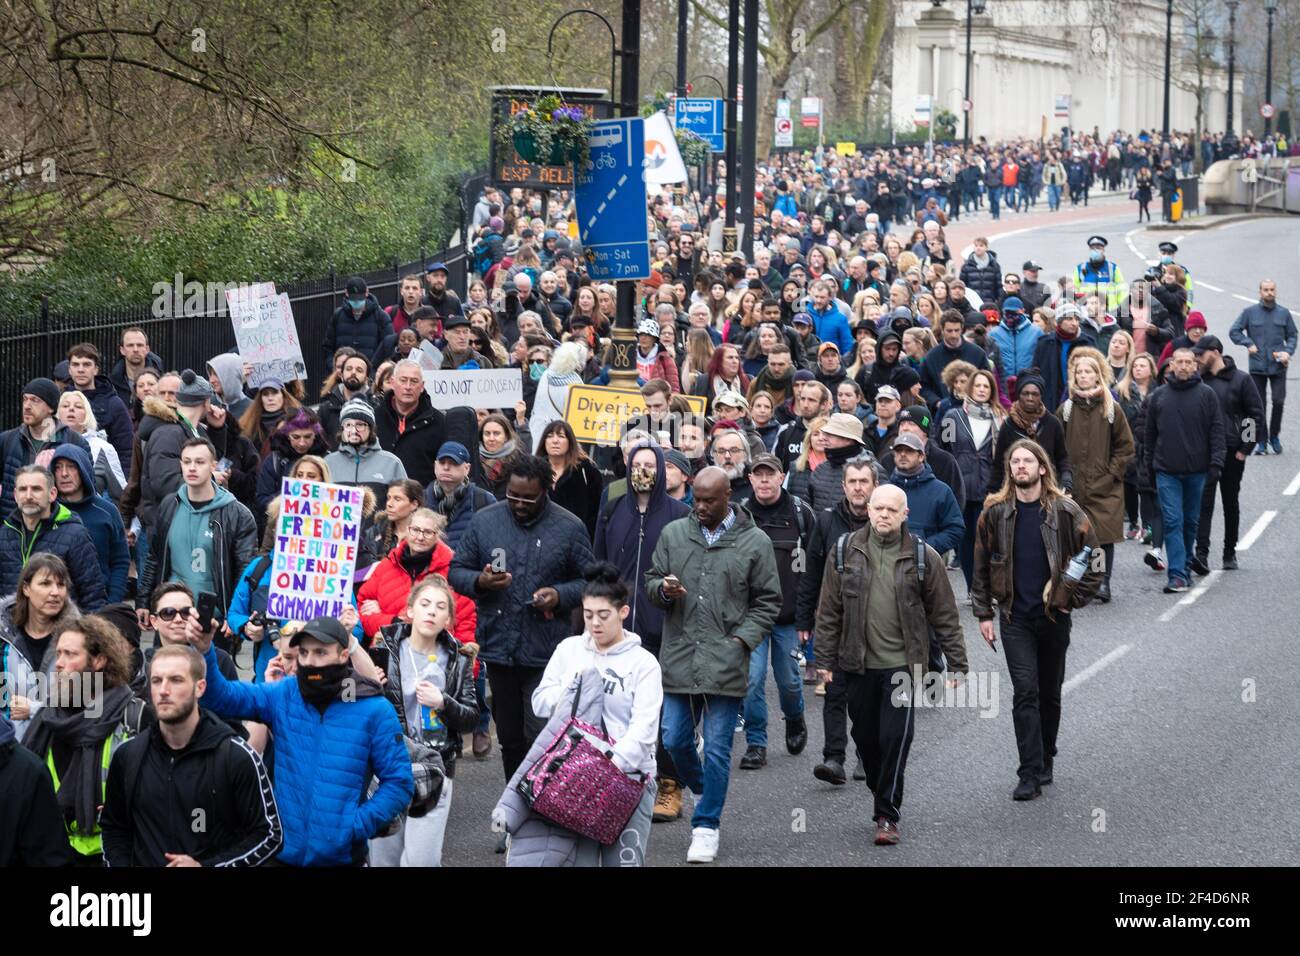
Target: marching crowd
(834,427)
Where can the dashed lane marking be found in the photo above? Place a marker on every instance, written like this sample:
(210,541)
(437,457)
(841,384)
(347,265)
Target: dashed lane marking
(1095,667)
(1292,488)
(1257,528)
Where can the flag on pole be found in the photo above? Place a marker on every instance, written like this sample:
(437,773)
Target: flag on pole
(663,161)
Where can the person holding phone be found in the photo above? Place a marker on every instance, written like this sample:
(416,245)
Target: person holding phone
(1029,533)
(430,683)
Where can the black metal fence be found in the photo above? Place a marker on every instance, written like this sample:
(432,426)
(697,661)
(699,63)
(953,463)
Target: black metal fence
(32,345)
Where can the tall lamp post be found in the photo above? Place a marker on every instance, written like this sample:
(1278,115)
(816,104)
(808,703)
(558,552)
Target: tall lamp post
(1169,26)
(733,80)
(1271,7)
(749,119)
(1230,137)
(681,47)
(972,7)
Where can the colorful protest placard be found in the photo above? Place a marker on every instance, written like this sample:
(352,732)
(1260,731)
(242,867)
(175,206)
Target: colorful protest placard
(316,540)
(266,333)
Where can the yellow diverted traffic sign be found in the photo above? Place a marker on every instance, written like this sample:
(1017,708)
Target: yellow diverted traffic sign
(597,413)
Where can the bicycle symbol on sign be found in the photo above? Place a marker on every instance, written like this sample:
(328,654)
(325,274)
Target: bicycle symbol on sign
(606,161)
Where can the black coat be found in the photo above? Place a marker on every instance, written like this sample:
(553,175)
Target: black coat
(1050,436)
(1184,429)
(578,492)
(788,534)
(1047,359)
(986,282)
(364,333)
(418,443)
(32,831)
(1243,409)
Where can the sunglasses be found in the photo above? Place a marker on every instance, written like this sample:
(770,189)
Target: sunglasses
(171,613)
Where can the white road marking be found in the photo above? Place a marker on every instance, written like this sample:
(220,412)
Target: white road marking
(966,252)
(1257,529)
(1292,488)
(1205,285)
(1243,298)
(1095,667)
(1128,239)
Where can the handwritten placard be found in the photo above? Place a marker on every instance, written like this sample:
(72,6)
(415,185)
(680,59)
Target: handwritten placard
(476,388)
(316,540)
(266,334)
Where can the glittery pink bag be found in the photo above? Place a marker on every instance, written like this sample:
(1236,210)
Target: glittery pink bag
(576,785)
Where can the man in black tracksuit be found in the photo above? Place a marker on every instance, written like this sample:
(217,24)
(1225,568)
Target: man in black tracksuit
(847,516)
(188,791)
(1243,411)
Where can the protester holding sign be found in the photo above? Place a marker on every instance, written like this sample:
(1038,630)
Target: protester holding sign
(316,545)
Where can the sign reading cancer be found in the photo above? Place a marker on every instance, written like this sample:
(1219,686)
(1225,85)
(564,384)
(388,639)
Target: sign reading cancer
(316,540)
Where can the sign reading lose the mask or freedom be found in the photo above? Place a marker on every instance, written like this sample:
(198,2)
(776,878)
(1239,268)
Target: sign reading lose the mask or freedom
(316,541)
(266,333)
(475,388)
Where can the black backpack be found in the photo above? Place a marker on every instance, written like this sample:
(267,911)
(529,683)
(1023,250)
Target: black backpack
(920,556)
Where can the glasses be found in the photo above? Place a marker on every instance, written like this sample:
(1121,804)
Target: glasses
(421,532)
(524,501)
(728,452)
(171,613)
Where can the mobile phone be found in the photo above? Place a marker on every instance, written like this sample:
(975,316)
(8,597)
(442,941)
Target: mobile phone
(207,603)
(379,655)
(672,578)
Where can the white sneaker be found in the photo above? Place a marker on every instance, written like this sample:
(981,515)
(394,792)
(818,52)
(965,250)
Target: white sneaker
(704,846)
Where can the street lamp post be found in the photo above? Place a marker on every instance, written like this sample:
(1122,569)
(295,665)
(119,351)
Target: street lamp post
(1229,137)
(1271,7)
(1169,26)
(681,47)
(749,141)
(972,7)
(733,80)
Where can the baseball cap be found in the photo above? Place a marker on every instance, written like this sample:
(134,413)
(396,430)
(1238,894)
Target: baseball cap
(325,629)
(272,383)
(356,286)
(453,450)
(454,322)
(916,414)
(767,461)
(1030,266)
(888,391)
(801,318)
(1012,304)
(1208,343)
(826,346)
(908,440)
(436,267)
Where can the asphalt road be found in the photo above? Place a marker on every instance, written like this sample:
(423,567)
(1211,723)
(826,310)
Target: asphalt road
(1178,737)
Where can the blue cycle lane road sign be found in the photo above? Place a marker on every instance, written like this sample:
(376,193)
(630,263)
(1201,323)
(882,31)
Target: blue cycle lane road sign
(706,118)
(611,199)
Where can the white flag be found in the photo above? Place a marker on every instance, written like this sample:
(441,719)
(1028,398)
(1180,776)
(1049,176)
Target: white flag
(663,162)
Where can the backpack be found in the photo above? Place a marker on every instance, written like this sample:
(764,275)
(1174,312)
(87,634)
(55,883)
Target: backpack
(481,256)
(920,556)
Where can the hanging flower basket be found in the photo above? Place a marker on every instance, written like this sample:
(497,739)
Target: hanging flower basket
(694,148)
(548,132)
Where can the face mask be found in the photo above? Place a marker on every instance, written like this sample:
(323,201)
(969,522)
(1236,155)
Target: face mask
(642,479)
(320,685)
(357,304)
(1096,255)
(536,369)
(1166,260)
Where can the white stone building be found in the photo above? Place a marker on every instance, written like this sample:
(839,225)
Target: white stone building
(1105,58)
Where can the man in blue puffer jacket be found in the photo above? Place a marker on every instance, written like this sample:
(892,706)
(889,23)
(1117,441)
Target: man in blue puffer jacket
(76,483)
(333,731)
(1016,338)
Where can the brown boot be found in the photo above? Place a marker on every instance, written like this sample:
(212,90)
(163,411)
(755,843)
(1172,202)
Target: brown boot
(668,804)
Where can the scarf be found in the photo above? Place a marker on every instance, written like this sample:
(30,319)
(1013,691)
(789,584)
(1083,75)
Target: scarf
(838,456)
(270,420)
(721,385)
(412,563)
(1026,422)
(494,462)
(79,793)
(1087,395)
(445,504)
(1065,337)
(320,686)
(980,410)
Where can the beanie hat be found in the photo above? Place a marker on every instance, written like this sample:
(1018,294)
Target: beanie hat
(194,390)
(1030,376)
(1195,320)
(904,378)
(358,408)
(497,224)
(678,460)
(45,390)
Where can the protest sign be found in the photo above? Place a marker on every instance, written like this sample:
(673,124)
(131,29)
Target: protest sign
(475,388)
(598,413)
(316,540)
(266,333)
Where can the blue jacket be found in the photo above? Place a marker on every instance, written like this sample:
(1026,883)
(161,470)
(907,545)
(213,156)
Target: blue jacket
(61,534)
(1269,330)
(553,551)
(102,520)
(785,205)
(626,538)
(932,512)
(1017,345)
(323,764)
(112,416)
(832,326)
(16,450)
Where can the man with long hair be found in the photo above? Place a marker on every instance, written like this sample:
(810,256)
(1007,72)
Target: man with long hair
(1037,556)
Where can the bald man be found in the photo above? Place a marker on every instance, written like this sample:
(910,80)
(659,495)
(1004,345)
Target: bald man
(714,573)
(876,642)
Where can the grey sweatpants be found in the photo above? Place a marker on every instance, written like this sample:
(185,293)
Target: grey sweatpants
(419,841)
(629,849)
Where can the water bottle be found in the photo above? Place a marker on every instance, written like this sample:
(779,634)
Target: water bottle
(1078,565)
(432,729)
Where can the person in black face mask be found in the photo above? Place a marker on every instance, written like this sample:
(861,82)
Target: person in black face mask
(333,731)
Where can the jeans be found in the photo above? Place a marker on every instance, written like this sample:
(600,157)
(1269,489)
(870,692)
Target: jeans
(1053,197)
(1229,484)
(512,705)
(1180,506)
(789,682)
(1278,382)
(480,692)
(883,727)
(995,193)
(1035,650)
(682,714)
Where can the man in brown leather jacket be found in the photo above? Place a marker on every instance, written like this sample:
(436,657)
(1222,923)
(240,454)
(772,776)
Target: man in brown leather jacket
(883,591)
(1025,543)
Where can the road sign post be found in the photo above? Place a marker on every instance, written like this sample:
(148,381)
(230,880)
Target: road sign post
(706,118)
(611,200)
